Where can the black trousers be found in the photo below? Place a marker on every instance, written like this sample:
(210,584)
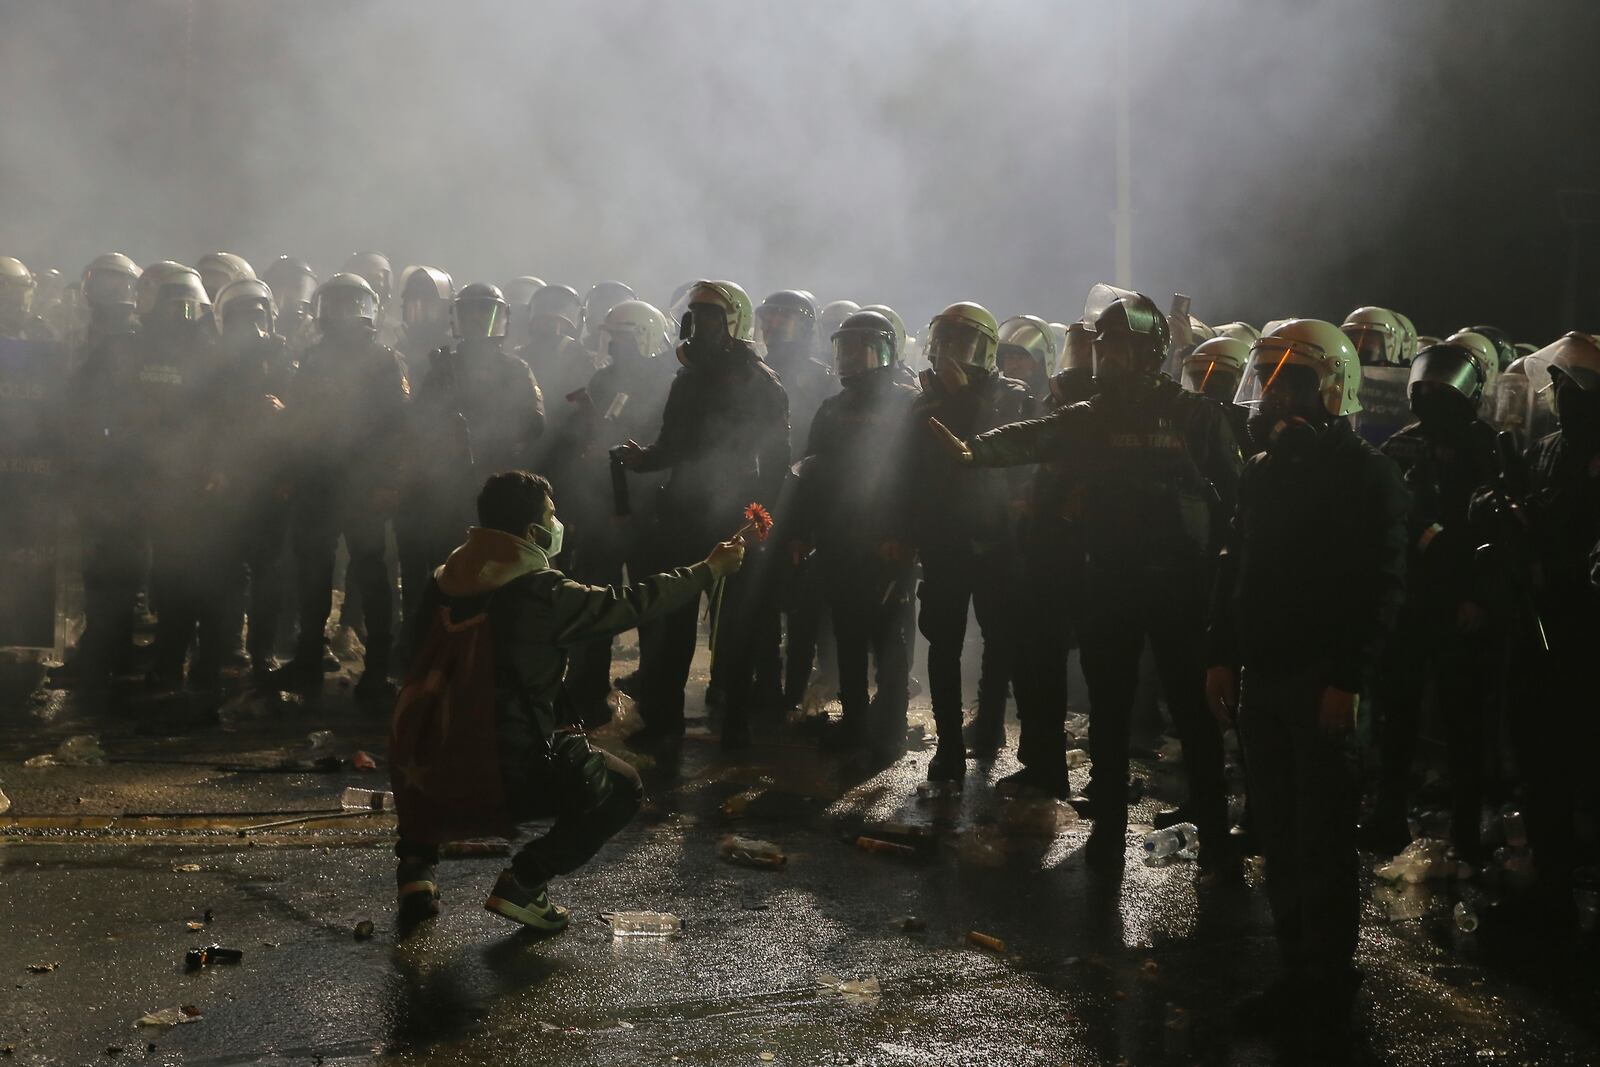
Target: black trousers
(1463,669)
(320,515)
(951,580)
(189,555)
(866,599)
(581,826)
(259,533)
(115,525)
(1304,796)
(1048,594)
(1121,612)
(666,646)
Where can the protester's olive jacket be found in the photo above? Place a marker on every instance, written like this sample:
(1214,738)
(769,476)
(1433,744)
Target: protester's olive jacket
(535,614)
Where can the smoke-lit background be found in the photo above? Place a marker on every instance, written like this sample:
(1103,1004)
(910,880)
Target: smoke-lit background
(1288,156)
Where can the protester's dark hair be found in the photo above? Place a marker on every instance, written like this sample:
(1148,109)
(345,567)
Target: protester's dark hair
(512,501)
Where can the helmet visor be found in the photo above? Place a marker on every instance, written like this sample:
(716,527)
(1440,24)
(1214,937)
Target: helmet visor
(706,321)
(1207,376)
(959,342)
(480,317)
(1374,344)
(623,341)
(855,351)
(179,302)
(102,288)
(1276,363)
(240,314)
(1450,365)
(346,303)
(781,326)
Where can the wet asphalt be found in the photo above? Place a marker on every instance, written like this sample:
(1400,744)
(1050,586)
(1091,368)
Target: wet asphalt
(104,868)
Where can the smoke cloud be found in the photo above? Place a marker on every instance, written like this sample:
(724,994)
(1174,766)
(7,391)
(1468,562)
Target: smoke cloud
(1288,158)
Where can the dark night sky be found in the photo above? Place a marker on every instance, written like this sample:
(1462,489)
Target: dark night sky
(1293,157)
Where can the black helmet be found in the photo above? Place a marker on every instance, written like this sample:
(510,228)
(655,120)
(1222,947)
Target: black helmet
(1504,347)
(867,329)
(1131,330)
(346,298)
(560,302)
(787,316)
(480,310)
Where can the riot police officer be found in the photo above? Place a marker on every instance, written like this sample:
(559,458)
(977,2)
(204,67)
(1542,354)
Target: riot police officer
(1446,456)
(1214,368)
(725,439)
(1308,592)
(854,507)
(559,361)
(293,284)
(426,298)
(1027,354)
(1151,465)
(250,478)
(219,269)
(17,320)
(597,304)
(964,526)
(477,409)
(346,411)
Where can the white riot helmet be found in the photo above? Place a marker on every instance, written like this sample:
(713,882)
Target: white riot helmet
(246,298)
(181,298)
(1377,335)
(832,316)
(633,329)
(151,279)
(1575,356)
(897,322)
(1322,346)
(1239,331)
(110,280)
(217,269)
(1408,338)
(738,312)
(1028,336)
(1215,367)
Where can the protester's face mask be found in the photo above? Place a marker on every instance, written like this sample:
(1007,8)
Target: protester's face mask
(548,538)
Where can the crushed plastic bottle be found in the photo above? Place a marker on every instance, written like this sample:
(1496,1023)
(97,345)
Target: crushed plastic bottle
(186,1013)
(353,799)
(79,750)
(1466,917)
(1424,859)
(321,742)
(1181,840)
(1402,902)
(5,802)
(931,791)
(643,924)
(852,988)
(752,852)
(1076,757)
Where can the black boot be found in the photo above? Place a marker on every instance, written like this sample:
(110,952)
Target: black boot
(949,763)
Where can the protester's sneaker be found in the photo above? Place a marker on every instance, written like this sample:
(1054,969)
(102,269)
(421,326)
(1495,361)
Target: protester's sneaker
(417,893)
(530,907)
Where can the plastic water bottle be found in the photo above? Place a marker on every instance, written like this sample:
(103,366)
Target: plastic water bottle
(1076,757)
(645,924)
(1181,840)
(1466,917)
(354,799)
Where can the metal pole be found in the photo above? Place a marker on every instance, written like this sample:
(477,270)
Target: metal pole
(1123,216)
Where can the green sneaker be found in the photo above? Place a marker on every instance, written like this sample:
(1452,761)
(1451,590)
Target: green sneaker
(530,907)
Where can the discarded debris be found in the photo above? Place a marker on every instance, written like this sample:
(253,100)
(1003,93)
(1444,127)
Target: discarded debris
(353,799)
(42,968)
(5,802)
(982,847)
(363,930)
(1180,841)
(885,848)
(909,924)
(321,742)
(860,988)
(752,852)
(1423,860)
(186,868)
(198,958)
(186,1013)
(928,791)
(256,704)
(195,924)
(363,761)
(642,923)
(985,941)
(1076,757)
(79,750)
